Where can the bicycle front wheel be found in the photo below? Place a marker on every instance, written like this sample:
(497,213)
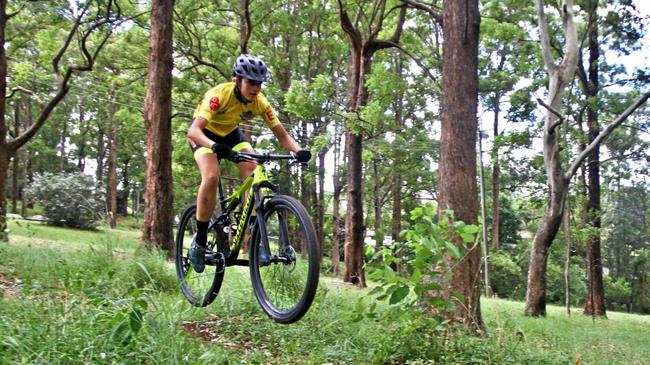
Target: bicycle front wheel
(200,289)
(285,274)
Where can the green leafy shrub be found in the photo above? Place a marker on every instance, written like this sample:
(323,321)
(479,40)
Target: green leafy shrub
(68,199)
(617,293)
(555,287)
(506,277)
(422,259)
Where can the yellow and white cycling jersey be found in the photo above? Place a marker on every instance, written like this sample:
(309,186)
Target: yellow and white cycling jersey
(224,112)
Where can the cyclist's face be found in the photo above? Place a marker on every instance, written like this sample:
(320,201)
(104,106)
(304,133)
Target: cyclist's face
(250,89)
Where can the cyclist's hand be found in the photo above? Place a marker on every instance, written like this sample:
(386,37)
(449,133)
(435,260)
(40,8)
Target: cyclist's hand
(303,156)
(222,150)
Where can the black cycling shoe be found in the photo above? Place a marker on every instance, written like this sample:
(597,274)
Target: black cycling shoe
(197,256)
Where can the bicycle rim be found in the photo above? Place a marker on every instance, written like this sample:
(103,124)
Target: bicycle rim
(200,289)
(286,287)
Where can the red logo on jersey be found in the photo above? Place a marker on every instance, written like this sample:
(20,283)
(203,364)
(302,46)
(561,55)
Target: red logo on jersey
(269,113)
(214,104)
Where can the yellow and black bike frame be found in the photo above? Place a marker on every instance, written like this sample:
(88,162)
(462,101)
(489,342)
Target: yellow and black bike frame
(251,188)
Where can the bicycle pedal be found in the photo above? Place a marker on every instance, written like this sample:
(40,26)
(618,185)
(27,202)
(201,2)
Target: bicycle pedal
(216,259)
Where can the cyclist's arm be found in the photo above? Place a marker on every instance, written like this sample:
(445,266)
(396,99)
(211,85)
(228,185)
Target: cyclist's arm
(286,141)
(195,133)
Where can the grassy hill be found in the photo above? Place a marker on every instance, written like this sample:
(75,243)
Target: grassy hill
(86,297)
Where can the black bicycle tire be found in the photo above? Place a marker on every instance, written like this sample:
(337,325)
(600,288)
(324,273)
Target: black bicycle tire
(189,213)
(313,249)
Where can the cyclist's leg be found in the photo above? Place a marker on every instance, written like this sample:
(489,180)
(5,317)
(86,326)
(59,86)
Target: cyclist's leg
(208,165)
(207,197)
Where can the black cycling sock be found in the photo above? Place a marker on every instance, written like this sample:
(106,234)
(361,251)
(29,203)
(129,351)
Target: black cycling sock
(202,233)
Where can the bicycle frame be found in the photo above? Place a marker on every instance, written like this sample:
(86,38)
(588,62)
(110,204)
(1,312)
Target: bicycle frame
(252,185)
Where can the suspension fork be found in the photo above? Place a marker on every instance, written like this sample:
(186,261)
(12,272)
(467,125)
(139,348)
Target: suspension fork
(265,251)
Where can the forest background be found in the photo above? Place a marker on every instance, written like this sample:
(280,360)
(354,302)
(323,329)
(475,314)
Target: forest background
(84,130)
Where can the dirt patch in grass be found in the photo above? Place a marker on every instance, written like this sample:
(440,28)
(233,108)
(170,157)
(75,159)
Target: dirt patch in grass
(208,331)
(231,334)
(8,286)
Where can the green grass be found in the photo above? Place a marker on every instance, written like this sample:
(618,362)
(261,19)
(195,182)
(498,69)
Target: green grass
(38,233)
(69,296)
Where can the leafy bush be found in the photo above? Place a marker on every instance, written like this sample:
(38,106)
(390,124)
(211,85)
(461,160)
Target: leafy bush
(507,278)
(422,258)
(617,293)
(68,199)
(556,284)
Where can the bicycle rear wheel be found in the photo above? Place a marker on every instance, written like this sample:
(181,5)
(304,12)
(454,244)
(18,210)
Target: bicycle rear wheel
(286,284)
(200,289)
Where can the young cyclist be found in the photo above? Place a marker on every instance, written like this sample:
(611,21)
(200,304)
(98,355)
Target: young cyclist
(216,122)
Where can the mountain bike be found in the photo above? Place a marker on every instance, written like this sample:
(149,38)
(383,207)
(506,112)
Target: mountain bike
(284,255)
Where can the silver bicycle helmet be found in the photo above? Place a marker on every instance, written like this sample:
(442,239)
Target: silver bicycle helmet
(250,67)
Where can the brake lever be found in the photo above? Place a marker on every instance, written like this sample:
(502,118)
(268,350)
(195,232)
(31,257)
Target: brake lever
(296,162)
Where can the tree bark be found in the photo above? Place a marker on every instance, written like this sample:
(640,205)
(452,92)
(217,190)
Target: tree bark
(567,261)
(101,155)
(484,240)
(111,186)
(320,202)
(379,238)
(595,301)
(559,76)
(354,242)
(83,126)
(458,186)
(496,178)
(27,176)
(158,195)
(336,199)
(5,153)
(14,169)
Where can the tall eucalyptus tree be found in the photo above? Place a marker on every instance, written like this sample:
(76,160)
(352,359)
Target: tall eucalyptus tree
(557,177)
(158,193)
(458,189)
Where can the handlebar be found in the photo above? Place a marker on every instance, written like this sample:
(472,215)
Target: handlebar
(263,157)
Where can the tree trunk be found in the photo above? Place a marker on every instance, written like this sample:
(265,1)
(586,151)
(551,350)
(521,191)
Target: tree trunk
(336,199)
(595,301)
(458,188)
(64,135)
(123,195)
(4,151)
(643,289)
(354,259)
(320,203)
(558,76)
(101,155)
(353,248)
(484,240)
(26,163)
(81,153)
(111,187)
(546,232)
(14,170)
(496,179)
(379,238)
(158,196)
(567,261)
(362,49)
